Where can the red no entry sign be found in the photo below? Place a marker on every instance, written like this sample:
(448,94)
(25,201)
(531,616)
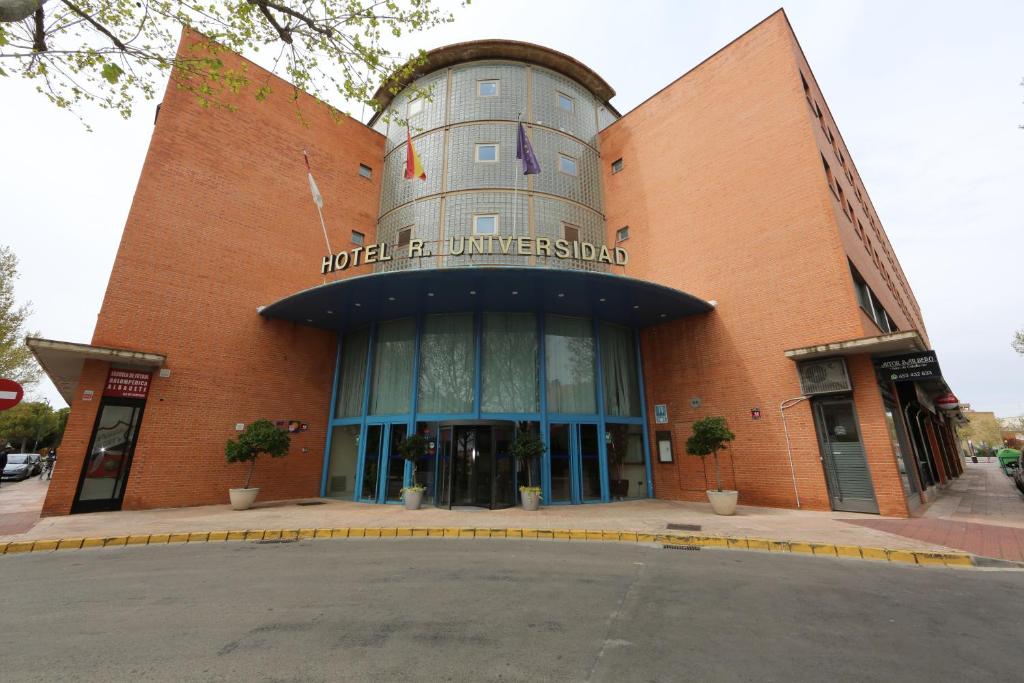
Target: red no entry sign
(11,393)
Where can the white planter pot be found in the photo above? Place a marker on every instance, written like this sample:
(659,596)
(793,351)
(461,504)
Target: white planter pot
(242,499)
(723,502)
(531,500)
(413,499)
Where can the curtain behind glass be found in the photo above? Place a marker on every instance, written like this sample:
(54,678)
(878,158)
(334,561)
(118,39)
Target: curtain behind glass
(509,365)
(392,367)
(446,364)
(353,373)
(569,349)
(618,363)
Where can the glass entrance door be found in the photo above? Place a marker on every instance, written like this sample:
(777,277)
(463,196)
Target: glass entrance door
(105,471)
(383,468)
(575,458)
(474,467)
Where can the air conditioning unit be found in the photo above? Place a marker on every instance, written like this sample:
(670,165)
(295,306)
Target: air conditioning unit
(825,376)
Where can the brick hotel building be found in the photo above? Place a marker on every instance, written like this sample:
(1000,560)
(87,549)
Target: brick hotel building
(712,252)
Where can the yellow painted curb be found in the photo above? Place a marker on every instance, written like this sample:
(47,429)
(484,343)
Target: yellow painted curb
(901,556)
(848,551)
(736,543)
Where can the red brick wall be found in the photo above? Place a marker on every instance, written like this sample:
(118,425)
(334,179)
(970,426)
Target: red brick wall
(223,222)
(725,196)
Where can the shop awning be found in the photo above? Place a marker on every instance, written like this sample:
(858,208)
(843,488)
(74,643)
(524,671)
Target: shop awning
(384,296)
(882,345)
(62,361)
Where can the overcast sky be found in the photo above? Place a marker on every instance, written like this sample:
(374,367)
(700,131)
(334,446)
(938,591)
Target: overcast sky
(927,96)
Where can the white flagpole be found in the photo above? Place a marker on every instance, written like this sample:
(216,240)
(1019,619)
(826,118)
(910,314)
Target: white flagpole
(318,201)
(515,191)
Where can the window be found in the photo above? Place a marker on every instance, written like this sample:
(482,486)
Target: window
(415,106)
(404,235)
(565,103)
(566,164)
(622,234)
(828,171)
(358,237)
(831,138)
(487,88)
(842,197)
(570,232)
(485,224)
(487,152)
(365,171)
(849,210)
(616,165)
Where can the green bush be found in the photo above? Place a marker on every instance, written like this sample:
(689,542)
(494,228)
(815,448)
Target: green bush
(258,438)
(710,435)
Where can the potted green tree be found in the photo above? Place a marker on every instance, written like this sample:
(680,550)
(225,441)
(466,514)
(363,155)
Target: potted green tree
(710,435)
(528,448)
(411,449)
(258,438)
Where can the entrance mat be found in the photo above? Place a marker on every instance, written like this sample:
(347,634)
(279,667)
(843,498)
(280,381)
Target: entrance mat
(666,540)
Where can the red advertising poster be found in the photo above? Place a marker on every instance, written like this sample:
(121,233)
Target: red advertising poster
(127,384)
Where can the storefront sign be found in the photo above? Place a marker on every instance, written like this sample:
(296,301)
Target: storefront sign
(664,440)
(661,414)
(291,426)
(127,384)
(910,367)
(484,245)
(755,413)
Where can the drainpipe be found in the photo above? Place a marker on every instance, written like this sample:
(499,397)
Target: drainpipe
(789,403)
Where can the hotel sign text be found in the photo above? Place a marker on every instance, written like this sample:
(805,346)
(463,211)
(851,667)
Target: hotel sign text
(485,245)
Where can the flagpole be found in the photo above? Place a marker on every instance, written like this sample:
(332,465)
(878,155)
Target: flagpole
(319,211)
(515,190)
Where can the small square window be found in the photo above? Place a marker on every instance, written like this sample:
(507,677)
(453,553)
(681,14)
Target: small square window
(487,88)
(358,237)
(365,171)
(622,234)
(566,103)
(570,232)
(485,224)
(404,235)
(566,164)
(616,165)
(487,152)
(415,106)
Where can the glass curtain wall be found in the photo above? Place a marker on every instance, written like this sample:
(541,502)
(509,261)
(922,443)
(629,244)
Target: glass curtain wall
(594,433)
(392,367)
(509,364)
(569,349)
(446,369)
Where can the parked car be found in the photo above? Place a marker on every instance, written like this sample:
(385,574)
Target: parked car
(19,466)
(37,463)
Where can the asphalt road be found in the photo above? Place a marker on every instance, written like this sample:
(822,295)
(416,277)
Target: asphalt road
(500,610)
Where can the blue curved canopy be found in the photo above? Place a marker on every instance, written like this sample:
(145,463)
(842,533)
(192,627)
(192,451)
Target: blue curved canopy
(397,294)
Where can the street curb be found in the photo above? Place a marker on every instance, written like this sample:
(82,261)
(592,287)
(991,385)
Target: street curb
(688,540)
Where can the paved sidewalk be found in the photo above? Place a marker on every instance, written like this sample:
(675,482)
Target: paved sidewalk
(644,516)
(20,503)
(981,513)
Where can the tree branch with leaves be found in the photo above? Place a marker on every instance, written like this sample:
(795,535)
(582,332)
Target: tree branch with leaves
(114,52)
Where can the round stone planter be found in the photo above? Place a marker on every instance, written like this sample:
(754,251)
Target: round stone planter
(242,499)
(723,502)
(413,498)
(531,500)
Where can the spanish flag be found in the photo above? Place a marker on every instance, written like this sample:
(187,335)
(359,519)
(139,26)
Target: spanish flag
(413,164)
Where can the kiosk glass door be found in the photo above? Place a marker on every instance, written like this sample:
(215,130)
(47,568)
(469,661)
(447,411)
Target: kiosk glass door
(474,467)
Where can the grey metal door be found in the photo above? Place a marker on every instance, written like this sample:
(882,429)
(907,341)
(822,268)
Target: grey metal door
(842,456)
